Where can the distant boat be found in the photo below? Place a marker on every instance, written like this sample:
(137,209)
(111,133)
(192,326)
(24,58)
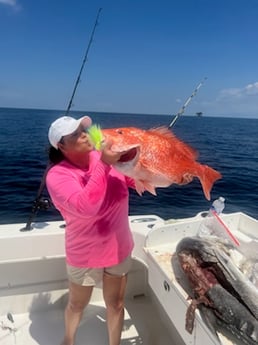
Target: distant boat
(199,113)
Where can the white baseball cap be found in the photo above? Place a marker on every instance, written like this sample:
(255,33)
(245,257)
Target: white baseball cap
(65,125)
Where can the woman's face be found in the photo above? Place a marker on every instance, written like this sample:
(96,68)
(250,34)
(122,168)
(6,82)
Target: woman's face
(78,141)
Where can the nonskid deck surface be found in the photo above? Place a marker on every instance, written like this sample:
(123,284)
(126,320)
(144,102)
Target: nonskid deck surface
(142,325)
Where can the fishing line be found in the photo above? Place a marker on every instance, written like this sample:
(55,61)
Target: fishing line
(45,203)
(182,110)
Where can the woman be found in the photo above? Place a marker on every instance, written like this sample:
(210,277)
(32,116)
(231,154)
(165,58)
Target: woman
(93,200)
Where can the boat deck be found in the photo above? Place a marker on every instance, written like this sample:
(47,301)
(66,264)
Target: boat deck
(34,286)
(142,325)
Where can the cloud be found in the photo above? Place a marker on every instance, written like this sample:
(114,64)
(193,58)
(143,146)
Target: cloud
(12,3)
(239,101)
(252,89)
(8,2)
(239,93)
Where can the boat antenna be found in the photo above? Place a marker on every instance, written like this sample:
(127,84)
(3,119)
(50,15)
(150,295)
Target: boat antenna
(83,62)
(41,202)
(181,111)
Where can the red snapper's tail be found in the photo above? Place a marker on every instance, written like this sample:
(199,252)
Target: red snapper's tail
(207,178)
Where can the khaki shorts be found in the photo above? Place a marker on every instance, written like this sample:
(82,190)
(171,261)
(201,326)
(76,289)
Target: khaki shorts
(92,276)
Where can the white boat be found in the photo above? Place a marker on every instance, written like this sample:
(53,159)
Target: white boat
(33,285)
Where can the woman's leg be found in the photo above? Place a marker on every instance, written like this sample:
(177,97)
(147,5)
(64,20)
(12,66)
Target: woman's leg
(79,297)
(114,292)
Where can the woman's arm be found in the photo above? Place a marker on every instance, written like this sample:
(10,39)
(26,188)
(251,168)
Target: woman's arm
(69,195)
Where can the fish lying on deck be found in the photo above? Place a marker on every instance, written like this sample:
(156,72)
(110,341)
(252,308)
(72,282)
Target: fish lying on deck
(156,158)
(228,301)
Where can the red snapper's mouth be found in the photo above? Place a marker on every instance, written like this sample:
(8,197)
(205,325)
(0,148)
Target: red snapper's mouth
(129,155)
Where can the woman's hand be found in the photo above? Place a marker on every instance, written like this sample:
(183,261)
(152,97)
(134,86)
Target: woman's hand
(108,156)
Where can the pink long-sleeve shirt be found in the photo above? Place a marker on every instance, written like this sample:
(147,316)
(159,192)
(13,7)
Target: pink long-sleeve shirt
(94,205)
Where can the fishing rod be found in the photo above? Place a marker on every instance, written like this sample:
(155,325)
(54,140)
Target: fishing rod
(181,111)
(45,203)
(83,62)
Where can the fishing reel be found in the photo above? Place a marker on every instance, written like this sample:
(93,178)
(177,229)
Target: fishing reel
(40,203)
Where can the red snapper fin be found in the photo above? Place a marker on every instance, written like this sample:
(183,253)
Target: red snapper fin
(150,188)
(142,186)
(184,148)
(207,178)
(139,187)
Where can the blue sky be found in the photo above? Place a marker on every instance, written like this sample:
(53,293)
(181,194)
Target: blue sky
(147,56)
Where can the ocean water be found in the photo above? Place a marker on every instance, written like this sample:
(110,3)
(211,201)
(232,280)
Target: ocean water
(229,145)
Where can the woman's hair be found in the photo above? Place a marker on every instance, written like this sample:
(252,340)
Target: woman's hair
(55,156)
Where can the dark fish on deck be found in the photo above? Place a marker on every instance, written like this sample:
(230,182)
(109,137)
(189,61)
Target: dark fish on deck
(226,298)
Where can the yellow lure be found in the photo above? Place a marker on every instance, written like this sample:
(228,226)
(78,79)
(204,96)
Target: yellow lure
(96,136)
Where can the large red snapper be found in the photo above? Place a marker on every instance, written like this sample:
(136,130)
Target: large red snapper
(156,158)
